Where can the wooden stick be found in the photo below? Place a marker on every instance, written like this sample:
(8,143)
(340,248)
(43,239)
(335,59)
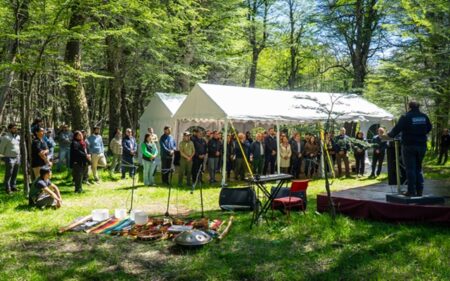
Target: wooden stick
(75,224)
(227,229)
(98,225)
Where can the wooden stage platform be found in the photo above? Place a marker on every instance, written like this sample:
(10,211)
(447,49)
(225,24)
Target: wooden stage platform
(369,202)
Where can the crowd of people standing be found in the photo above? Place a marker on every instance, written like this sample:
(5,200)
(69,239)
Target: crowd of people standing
(198,152)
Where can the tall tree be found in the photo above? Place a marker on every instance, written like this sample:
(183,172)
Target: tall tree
(357,24)
(74,88)
(21,14)
(258,21)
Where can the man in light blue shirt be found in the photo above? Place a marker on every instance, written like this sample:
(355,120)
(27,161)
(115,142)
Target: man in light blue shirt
(97,152)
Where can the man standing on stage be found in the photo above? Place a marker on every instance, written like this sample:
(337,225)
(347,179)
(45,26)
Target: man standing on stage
(414,127)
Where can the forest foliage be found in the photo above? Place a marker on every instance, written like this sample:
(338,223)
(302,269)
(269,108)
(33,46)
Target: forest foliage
(86,62)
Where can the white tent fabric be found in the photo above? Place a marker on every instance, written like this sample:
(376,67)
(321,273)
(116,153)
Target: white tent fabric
(216,102)
(159,112)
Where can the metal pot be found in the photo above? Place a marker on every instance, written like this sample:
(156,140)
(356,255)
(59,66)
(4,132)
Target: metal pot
(193,237)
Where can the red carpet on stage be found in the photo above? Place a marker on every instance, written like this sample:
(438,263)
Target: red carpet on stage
(369,202)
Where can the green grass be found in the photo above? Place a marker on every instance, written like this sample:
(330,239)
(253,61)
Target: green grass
(310,247)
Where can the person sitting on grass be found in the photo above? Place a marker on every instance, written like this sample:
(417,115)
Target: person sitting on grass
(43,192)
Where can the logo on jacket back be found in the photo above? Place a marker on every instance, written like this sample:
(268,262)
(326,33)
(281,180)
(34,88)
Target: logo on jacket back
(419,120)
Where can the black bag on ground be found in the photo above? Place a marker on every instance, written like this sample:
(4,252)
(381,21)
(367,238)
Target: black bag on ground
(242,198)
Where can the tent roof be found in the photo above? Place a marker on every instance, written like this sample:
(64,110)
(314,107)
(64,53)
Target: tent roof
(171,101)
(215,102)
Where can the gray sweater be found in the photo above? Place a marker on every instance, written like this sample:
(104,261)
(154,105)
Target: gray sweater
(10,145)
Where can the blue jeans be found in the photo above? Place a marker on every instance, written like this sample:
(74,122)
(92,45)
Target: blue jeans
(64,157)
(149,171)
(212,165)
(412,157)
(12,168)
(127,165)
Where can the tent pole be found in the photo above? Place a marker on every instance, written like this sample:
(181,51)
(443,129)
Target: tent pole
(322,159)
(224,156)
(278,147)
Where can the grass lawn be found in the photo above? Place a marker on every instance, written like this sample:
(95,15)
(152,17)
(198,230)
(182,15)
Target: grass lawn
(311,247)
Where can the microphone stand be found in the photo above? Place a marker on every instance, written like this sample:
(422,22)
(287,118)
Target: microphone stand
(133,186)
(199,172)
(170,171)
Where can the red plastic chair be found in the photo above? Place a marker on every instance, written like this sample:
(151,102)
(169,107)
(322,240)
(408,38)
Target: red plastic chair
(287,203)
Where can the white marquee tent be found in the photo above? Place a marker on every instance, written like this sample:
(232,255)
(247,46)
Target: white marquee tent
(159,112)
(220,104)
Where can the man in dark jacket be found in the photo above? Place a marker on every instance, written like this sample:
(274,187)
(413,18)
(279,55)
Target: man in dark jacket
(129,147)
(443,149)
(342,148)
(214,152)
(414,127)
(240,150)
(297,148)
(257,154)
(168,146)
(200,153)
(270,153)
(379,150)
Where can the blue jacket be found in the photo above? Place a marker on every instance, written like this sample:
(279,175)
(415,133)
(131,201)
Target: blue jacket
(199,145)
(255,149)
(95,144)
(50,142)
(414,126)
(245,147)
(167,143)
(129,145)
(379,144)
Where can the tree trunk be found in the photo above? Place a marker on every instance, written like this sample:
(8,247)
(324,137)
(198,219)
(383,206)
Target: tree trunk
(21,17)
(25,137)
(125,114)
(253,68)
(75,91)
(114,85)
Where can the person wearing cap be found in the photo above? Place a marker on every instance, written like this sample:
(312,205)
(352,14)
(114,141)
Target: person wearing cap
(43,192)
(168,146)
(414,127)
(50,144)
(97,151)
(149,154)
(10,150)
(64,140)
(39,152)
(187,152)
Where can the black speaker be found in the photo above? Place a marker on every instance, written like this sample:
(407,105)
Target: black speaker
(243,199)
